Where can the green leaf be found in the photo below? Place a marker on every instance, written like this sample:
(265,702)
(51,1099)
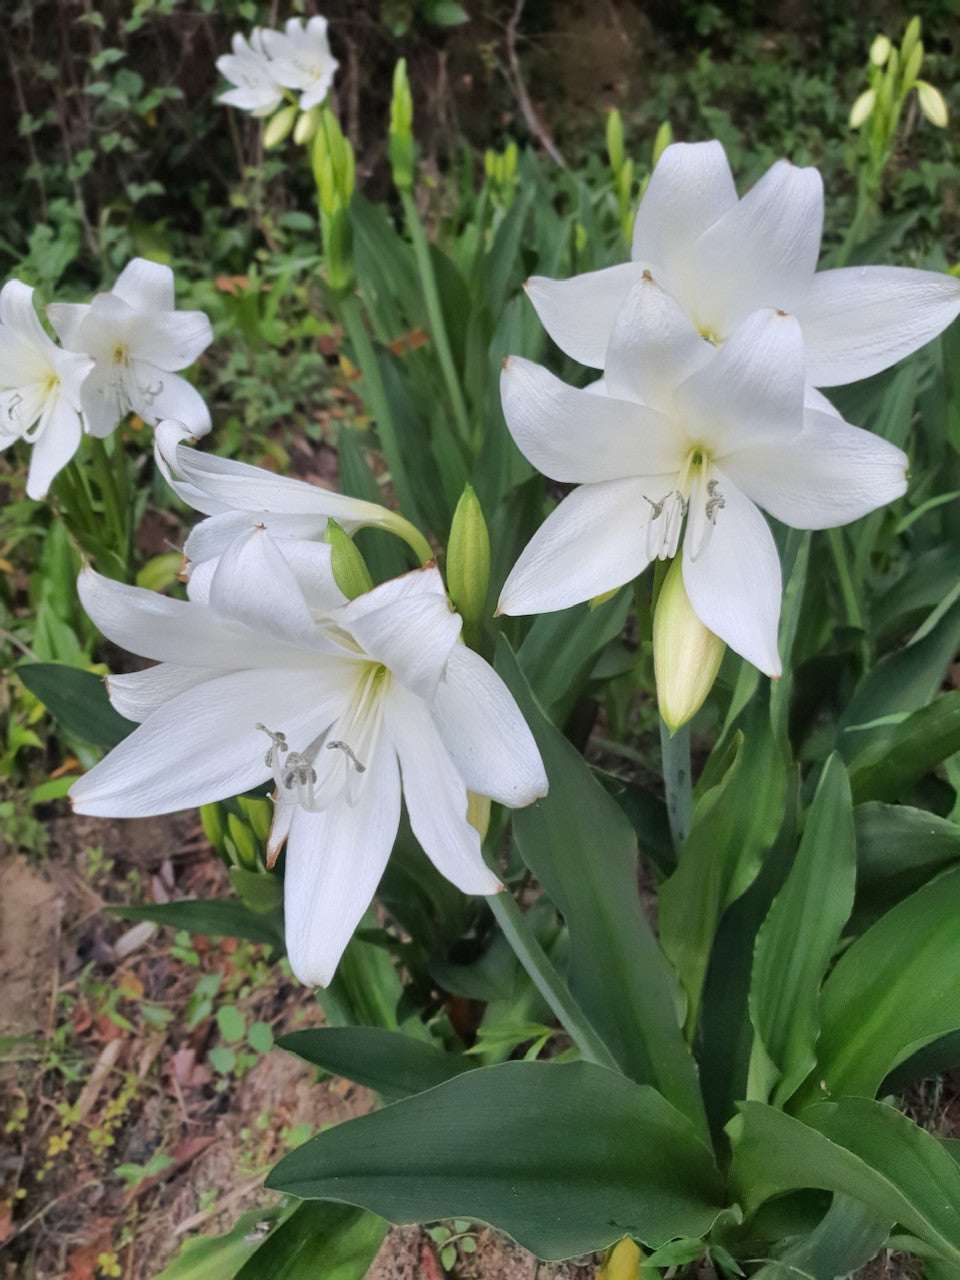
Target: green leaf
(220,1257)
(581,848)
(896,988)
(391,1063)
(560,648)
(898,850)
(863,1149)
(260,1037)
(334,1241)
(907,751)
(215,918)
(845,1239)
(231,1022)
(78,700)
(734,822)
(566,1158)
(797,940)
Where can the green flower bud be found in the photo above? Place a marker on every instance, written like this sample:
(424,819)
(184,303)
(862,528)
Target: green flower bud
(686,654)
(910,37)
(244,843)
(912,65)
(880,50)
(349,568)
(401,129)
(306,126)
(211,818)
(932,104)
(258,815)
(662,140)
(615,140)
(862,109)
(468,564)
(278,126)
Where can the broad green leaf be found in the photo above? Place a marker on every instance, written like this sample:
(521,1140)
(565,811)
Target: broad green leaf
(932,1060)
(566,1158)
(335,1241)
(78,699)
(391,1063)
(895,989)
(845,1239)
(581,848)
(898,850)
(366,988)
(560,648)
(221,1257)
(890,767)
(927,580)
(863,1149)
(215,918)
(734,823)
(797,940)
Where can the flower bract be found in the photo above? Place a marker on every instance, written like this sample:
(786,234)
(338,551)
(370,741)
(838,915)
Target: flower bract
(266,673)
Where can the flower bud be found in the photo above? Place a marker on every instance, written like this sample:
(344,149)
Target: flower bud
(244,844)
(615,140)
(862,109)
(306,126)
(912,65)
(932,104)
(334,172)
(910,37)
(258,815)
(278,126)
(401,129)
(662,140)
(686,654)
(478,813)
(348,566)
(880,50)
(211,818)
(468,564)
(623,1262)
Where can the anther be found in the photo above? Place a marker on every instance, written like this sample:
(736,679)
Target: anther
(279,741)
(297,768)
(715,500)
(348,751)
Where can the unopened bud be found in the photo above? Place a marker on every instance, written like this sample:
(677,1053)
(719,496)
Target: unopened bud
(880,50)
(910,37)
(306,126)
(478,813)
(615,140)
(468,564)
(862,109)
(278,126)
(244,843)
(662,140)
(686,654)
(623,1262)
(401,129)
(211,818)
(258,815)
(912,65)
(932,104)
(347,565)
(334,166)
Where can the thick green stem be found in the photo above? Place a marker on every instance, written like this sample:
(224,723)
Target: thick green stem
(547,981)
(376,395)
(675,749)
(438,327)
(116,515)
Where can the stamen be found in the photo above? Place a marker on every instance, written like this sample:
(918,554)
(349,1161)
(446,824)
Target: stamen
(297,769)
(13,408)
(150,393)
(715,500)
(348,751)
(279,741)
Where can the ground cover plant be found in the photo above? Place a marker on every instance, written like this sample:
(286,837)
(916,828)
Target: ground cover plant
(579,719)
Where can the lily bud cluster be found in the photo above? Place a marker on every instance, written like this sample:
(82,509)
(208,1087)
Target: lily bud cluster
(120,354)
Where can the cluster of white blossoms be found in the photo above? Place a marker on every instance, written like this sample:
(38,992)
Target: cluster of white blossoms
(297,58)
(120,354)
(713,341)
(268,672)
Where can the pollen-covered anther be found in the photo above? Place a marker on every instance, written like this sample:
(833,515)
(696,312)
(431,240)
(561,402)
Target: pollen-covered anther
(345,747)
(297,770)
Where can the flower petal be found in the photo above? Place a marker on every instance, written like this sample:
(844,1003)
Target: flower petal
(66,318)
(170,340)
(407,624)
(690,189)
(334,863)
(591,543)
(859,320)
(484,732)
(139,694)
(201,746)
(578,436)
(145,286)
(653,348)
(752,389)
(175,399)
(103,400)
(435,794)
(53,448)
(734,584)
(579,313)
(828,475)
(17,311)
(762,253)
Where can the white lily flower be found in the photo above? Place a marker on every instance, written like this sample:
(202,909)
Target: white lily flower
(688,433)
(235,495)
(39,389)
(723,258)
(248,68)
(269,673)
(300,58)
(138,340)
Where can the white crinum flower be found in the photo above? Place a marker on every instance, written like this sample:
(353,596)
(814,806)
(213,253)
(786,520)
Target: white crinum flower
(235,495)
(39,389)
(267,672)
(137,340)
(248,68)
(300,59)
(722,258)
(684,446)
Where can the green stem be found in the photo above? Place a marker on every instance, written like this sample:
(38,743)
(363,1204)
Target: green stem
(547,981)
(376,395)
(117,519)
(438,327)
(675,749)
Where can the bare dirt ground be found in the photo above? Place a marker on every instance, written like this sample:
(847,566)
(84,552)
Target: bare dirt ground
(121,1134)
